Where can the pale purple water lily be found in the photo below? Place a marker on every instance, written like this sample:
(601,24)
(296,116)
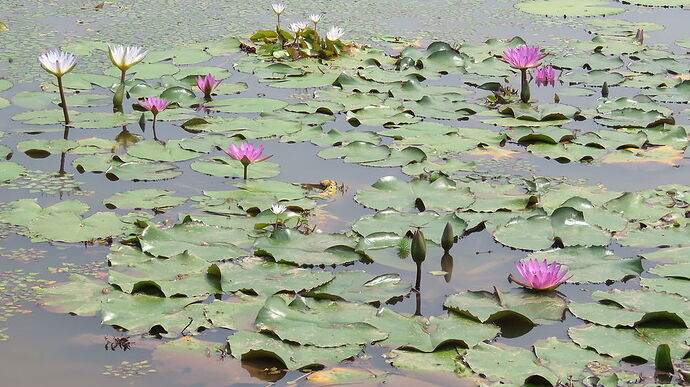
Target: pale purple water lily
(540,275)
(246,154)
(154,104)
(59,63)
(207,83)
(545,75)
(523,57)
(335,33)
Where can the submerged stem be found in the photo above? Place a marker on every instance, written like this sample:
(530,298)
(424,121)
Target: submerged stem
(62,100)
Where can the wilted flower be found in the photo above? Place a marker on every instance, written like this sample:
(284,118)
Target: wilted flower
(639,36)
(207,83)
(57,62)
(246,154)
(298,27)
(278,8)
(545,75)
(523,57)
(278,209)
(126,57)
(335,33)
(540,275)
(154,104)
(315,18)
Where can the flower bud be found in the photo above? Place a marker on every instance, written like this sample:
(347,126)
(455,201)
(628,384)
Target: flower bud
(447,239)
(418,250)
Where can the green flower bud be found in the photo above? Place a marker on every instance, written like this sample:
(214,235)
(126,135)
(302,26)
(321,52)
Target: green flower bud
(418,247)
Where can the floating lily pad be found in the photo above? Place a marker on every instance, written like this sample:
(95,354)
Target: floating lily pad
(207,242)
(390,192)
(313,249)
(592,264)
(144,199)
(359,286)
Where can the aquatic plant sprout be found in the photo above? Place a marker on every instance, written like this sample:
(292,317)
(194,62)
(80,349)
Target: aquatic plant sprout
(335,33)
(523,58)
(246,153)
(639,37)
(207,84)
(545,75)
(59,63)
(124,57)
(540,275)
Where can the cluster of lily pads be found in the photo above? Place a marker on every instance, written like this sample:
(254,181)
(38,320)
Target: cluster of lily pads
(250,258)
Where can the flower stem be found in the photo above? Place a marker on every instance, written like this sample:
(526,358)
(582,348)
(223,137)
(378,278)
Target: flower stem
(154,128)
(62,100)
(122,76)
(245,171)
(524,92)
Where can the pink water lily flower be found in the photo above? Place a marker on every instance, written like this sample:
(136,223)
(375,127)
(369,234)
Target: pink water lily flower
(154,104)
(246,153)
(523,57)
(207,83)
(545,75)
(540,275)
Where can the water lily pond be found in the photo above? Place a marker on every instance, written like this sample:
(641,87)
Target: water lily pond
(203,193)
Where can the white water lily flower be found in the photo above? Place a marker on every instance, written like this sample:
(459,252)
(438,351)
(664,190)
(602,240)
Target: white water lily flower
(278,209)
(278,8)
(126,57)
(57,62)
(315,17)
(297,27)
(335,33)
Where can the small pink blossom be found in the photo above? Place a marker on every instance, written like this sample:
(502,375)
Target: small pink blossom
(154,104)
(207,83)
(545,75)
(246,153)
(540,275)
(523,57)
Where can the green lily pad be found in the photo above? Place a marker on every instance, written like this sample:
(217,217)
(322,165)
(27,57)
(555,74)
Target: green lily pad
(400,223)
(143,171)
(390,192)
(228,167)
(249,345)
(359,286)
(266,278)
(144,199)
(537,308)
(624,342)
(207,242)
(563,8)
(10,171)
(592,264)
(68,227)
(246,105)
(155,151)
(324,324)
(508,364)
(314,249)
